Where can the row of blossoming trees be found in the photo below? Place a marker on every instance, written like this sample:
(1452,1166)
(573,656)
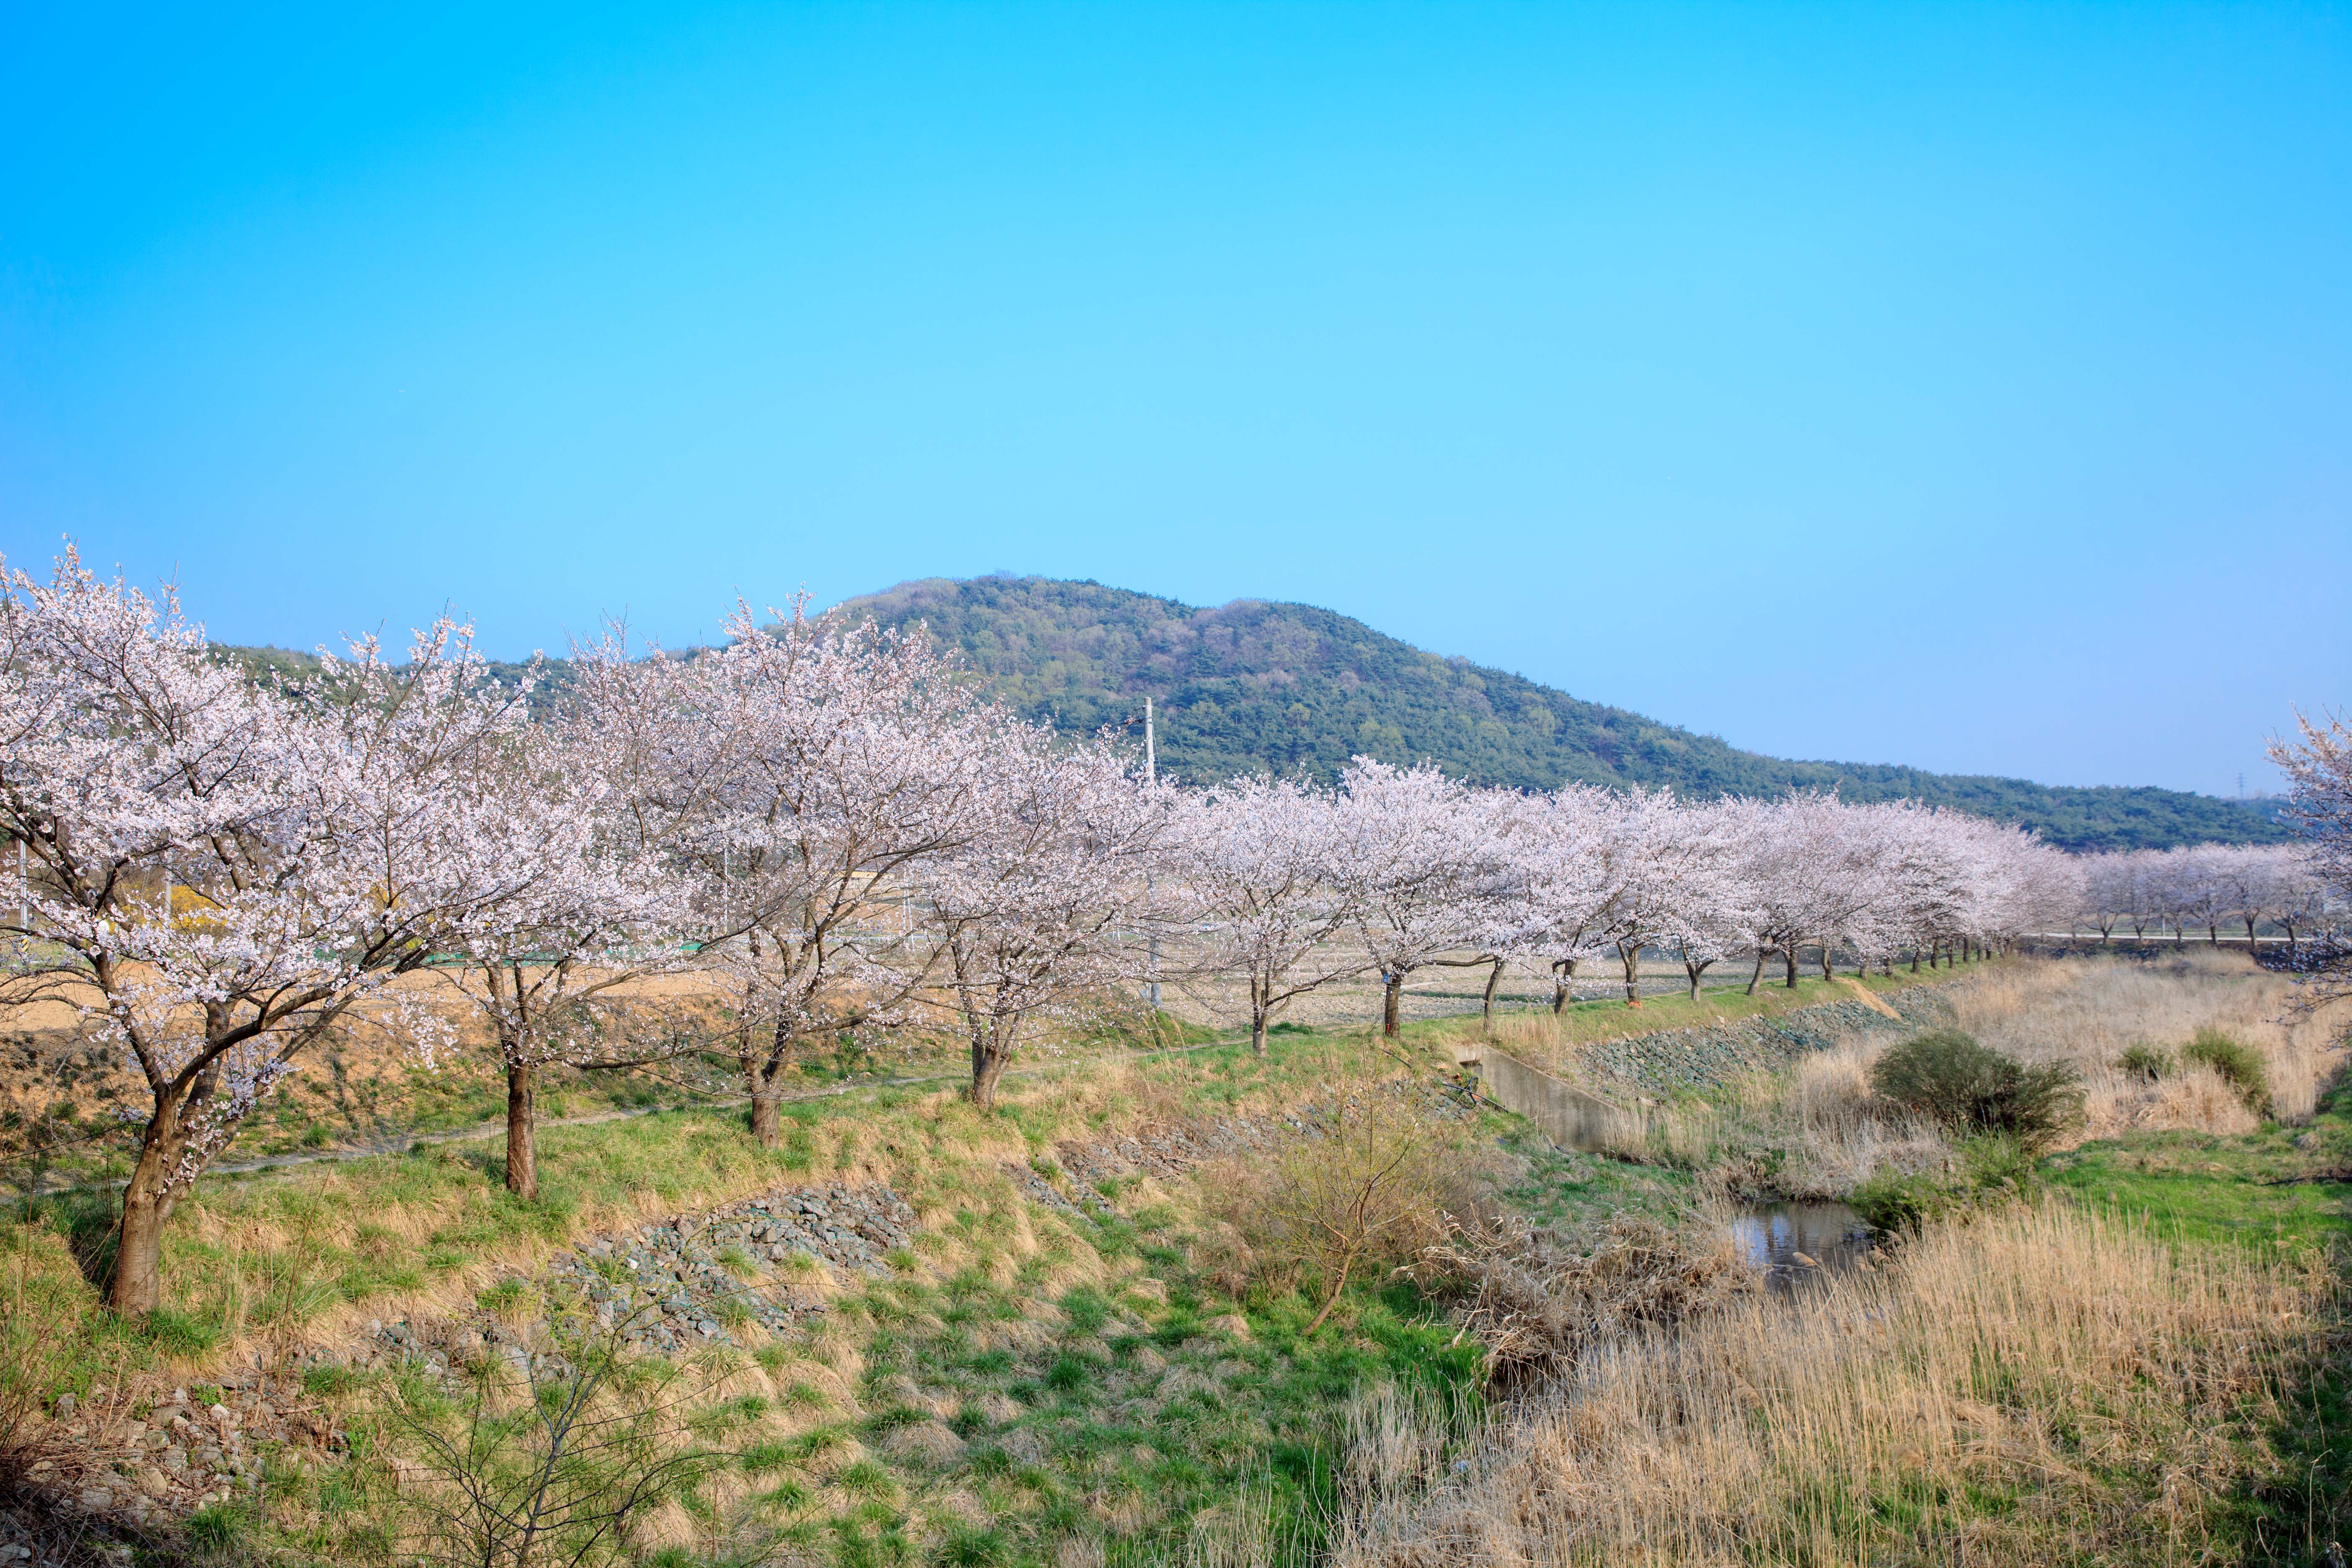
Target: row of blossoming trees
(830,820)
(2206,887)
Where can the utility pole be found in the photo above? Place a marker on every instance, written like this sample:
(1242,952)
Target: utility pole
(1151,878)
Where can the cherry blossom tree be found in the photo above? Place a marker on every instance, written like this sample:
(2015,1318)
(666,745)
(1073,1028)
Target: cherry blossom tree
(2205,887)
(1255,857)
(1814,867)
(2251,883)
(1702,907)
(555,970)
(324,853)
(2017,883)
(2299,899)
(1563,880)
(1050,901)
(2318,769)
(2109,889)
(2144,905)
(842,762)
(1671,873)
(1418,854)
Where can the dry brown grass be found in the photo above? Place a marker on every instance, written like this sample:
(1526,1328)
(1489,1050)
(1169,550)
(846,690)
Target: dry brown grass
(1836,1134)
(2040,1386)
(1832,1133)
(2089,1012)
(1844,1134)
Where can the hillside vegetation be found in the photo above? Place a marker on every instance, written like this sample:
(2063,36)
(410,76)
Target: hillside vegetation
(1253,685)
(1257,686)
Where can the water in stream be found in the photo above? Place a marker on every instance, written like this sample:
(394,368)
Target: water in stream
(1797,1245)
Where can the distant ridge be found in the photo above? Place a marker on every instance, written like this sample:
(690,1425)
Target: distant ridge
(1257,685)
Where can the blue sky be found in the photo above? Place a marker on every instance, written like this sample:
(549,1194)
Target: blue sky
(1967,386)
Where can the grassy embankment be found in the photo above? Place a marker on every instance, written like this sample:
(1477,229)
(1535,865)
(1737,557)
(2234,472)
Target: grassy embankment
(1072,1354)
(363,1090)
(1105,1408)
(305,1257)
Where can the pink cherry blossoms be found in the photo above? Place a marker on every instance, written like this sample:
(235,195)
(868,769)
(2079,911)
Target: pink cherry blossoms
(832,829)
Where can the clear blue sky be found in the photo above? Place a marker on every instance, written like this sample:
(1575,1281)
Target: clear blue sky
(1969,386)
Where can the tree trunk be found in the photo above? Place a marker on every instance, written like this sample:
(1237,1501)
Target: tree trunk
(522,1151)
(1789,957)
(1757,978)
(1494,978)
(136,1289)
(2250,933)
(1827,973)
(1632,960)
(767,1117)
(1915,959)
(1694,970)
(149,1196)
(1392,986)
(1331,1299)
(1563,988)
(987,1066)
(1260,1009)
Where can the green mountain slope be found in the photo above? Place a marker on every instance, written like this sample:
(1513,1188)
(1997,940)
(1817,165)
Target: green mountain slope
(1282,688)
(1253,685)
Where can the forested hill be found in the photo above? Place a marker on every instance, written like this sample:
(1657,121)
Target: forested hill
(1257,686)
(1254,686)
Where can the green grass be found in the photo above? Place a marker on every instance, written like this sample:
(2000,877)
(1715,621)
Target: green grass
(2263,1189)
(1260,1412)
(1130,1418)
(2260,1186)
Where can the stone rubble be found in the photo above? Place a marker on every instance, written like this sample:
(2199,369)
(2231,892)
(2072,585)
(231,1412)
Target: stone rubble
(670,1286)
(178,1456)
(1676,1059)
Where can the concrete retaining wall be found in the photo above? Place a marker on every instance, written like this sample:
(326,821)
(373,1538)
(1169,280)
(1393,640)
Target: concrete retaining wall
(1568,1117)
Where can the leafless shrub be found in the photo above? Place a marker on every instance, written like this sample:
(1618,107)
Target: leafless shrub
(1370,1182)
(544,1458)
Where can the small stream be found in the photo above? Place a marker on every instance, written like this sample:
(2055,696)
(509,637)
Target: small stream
(1799,1245)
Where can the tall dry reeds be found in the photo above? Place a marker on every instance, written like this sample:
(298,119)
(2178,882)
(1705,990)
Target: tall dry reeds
(2042,1385)
(2092,1010)
(1841,1134)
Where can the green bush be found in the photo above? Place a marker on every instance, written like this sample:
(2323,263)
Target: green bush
(1971,1087)
(2145,1062)
(2240,1065)
(1993,1168)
